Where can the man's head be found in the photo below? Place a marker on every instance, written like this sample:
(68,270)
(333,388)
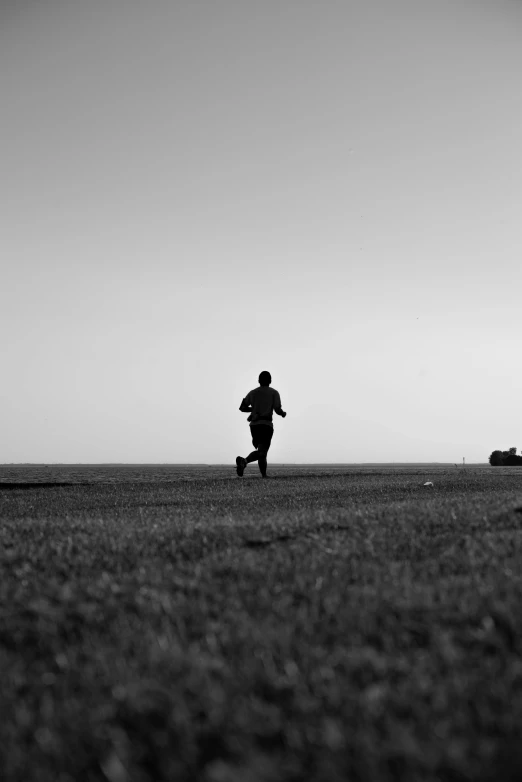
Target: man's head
(265,378)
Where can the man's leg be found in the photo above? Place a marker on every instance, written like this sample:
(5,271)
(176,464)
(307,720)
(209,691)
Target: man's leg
(261,438)
(263,446)
(262,462)
(254,456)
(240,465)
(258,456)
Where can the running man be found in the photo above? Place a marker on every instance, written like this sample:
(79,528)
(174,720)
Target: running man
(260,403)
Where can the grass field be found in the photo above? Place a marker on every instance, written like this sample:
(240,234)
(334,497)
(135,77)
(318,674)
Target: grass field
(332,624)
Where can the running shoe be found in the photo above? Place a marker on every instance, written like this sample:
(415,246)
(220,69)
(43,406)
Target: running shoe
(241,463)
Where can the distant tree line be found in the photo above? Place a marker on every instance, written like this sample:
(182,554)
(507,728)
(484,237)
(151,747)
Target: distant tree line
(505,458)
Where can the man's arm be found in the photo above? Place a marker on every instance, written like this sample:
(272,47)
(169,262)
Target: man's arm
(278,410)
(245,405)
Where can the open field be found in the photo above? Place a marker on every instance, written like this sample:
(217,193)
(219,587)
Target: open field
(334,623)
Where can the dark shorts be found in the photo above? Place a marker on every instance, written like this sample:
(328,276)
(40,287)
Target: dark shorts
(261,436)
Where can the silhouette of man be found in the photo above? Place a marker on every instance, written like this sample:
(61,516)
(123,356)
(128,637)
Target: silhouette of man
(260,403)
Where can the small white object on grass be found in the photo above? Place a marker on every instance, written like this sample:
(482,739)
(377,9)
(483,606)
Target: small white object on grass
(428,483)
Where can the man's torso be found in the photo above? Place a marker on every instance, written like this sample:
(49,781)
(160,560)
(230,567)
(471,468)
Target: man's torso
(263,401)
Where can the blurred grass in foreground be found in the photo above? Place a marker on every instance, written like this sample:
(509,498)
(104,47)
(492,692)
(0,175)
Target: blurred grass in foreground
(325,625)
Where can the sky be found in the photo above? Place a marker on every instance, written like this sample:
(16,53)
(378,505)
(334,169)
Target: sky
(193,192)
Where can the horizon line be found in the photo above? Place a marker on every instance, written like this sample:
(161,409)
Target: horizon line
(225,464)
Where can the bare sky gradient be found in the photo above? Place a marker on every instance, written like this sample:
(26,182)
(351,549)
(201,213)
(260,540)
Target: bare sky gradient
(196,191)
